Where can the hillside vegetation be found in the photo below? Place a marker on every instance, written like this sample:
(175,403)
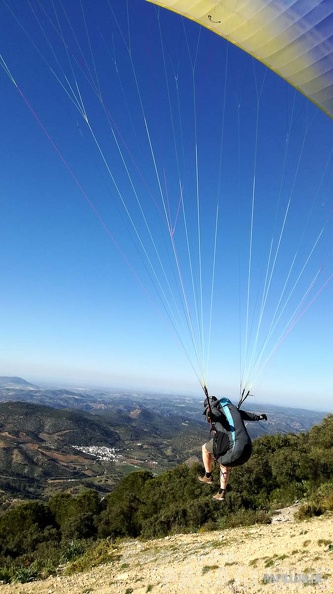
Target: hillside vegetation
(285,556)
(83,530)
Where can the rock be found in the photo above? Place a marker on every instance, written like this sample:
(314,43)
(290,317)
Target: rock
(122,577)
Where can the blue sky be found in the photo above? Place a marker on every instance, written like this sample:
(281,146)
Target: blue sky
(122,130)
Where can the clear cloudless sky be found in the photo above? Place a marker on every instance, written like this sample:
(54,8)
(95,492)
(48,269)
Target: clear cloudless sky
(166,209)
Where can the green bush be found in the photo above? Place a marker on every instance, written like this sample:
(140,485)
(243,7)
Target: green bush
(5,575)
(72,550)
(98,552)
(75,514)
(82,526)
(245,518)
(24,527)
(308,510)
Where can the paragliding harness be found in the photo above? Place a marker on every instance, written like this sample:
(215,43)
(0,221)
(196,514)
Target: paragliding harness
(221,443)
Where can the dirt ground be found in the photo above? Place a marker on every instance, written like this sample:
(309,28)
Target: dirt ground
(285,556)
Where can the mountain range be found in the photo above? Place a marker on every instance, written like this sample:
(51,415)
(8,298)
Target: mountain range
(55,439)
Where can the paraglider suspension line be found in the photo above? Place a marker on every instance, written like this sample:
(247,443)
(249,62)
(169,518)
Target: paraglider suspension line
(211,19)
(243,397)
(205,389)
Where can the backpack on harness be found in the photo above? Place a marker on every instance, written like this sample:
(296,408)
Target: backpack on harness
(218,419)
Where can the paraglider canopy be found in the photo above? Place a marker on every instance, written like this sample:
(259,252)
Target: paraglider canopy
(293,38)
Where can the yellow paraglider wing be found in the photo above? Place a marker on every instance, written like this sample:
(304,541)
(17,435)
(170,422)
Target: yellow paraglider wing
(293,38)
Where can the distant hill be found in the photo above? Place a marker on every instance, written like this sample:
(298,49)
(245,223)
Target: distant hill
(39,444)
(55,427)
(157,410)
(15,382)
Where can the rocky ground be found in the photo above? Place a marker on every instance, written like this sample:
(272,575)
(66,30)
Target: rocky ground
(285,555)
